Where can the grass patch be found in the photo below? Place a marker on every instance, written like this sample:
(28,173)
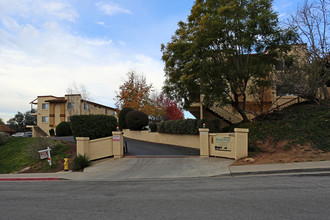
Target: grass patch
(302,124)
(18,153)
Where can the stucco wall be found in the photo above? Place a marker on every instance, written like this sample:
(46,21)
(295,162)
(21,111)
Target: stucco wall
(100,148)
(191,141)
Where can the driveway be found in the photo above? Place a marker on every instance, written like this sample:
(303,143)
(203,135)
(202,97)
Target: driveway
(138,168)
(141,148)
(66,138)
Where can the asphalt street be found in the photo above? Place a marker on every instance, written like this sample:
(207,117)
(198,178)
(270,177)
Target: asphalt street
(269,197)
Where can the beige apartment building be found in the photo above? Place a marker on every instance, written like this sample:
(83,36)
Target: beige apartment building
(51,110)
(270,98)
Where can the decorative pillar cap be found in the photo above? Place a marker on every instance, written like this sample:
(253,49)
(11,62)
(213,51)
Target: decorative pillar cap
(242,130)
(204,130)
(82,138)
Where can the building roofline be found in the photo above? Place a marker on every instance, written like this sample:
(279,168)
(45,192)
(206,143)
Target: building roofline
(62,99)
(94,103)
(44,96)
(72,94)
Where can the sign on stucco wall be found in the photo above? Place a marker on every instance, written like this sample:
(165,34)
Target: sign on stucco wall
(223,143)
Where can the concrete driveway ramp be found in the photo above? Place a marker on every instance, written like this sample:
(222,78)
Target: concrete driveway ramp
(157,168)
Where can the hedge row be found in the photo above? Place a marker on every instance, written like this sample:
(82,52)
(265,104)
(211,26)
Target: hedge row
(189,126)
(93,126)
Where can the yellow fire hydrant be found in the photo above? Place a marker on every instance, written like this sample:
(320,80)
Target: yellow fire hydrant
(66,164)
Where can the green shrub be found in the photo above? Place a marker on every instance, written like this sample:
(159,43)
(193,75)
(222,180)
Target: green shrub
(136,120)
(63,129)
(52,132)
(80,162)
(184,126)
(3,138)
(189,126)
(93,126)
(122,117)
(153,126)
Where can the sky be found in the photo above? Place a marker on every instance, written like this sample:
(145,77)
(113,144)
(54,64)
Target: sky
(47,46)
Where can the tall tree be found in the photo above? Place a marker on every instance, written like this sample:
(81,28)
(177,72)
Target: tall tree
(19,122)
(171,110)
(81,89)
(312,21)
(1,121)
(219,51)
(135,93)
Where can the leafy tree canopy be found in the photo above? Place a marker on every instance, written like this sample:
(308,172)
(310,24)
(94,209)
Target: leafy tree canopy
(312,22)
(225,47)
(20,120)
(135,93)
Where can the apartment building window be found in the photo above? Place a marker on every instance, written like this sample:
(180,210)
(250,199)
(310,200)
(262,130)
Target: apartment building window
(86,106)
(106,111)
(71,105)
(114,113)
(45,106)
(44,119)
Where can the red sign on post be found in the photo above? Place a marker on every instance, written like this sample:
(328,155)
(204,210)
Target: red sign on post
(43,154)
(46,154)
(116,138)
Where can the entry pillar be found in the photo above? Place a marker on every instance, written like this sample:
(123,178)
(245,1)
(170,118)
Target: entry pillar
(117,143)
(241,143)
(204,142)
(83,146)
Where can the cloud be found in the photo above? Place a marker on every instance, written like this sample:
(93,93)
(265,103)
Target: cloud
(102,24)
(122,43)
(36,10)
(10,23)
(62,10)
(41,53)
(111,8)
(45,59)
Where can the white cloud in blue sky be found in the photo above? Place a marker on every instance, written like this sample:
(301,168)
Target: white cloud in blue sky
(47,44)
(111,8)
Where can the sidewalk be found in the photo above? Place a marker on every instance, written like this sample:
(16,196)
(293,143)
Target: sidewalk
(280,168)
(127,169)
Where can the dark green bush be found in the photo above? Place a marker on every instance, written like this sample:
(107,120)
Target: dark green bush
(189,126)
(3,138)
(136,120)
(63,129)
(153,126)
(122,117)
(52,132)
(80,162)
(93,126)
(184,126)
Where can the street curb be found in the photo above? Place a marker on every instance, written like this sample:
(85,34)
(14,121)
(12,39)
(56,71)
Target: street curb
(30,179)
(278,171)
